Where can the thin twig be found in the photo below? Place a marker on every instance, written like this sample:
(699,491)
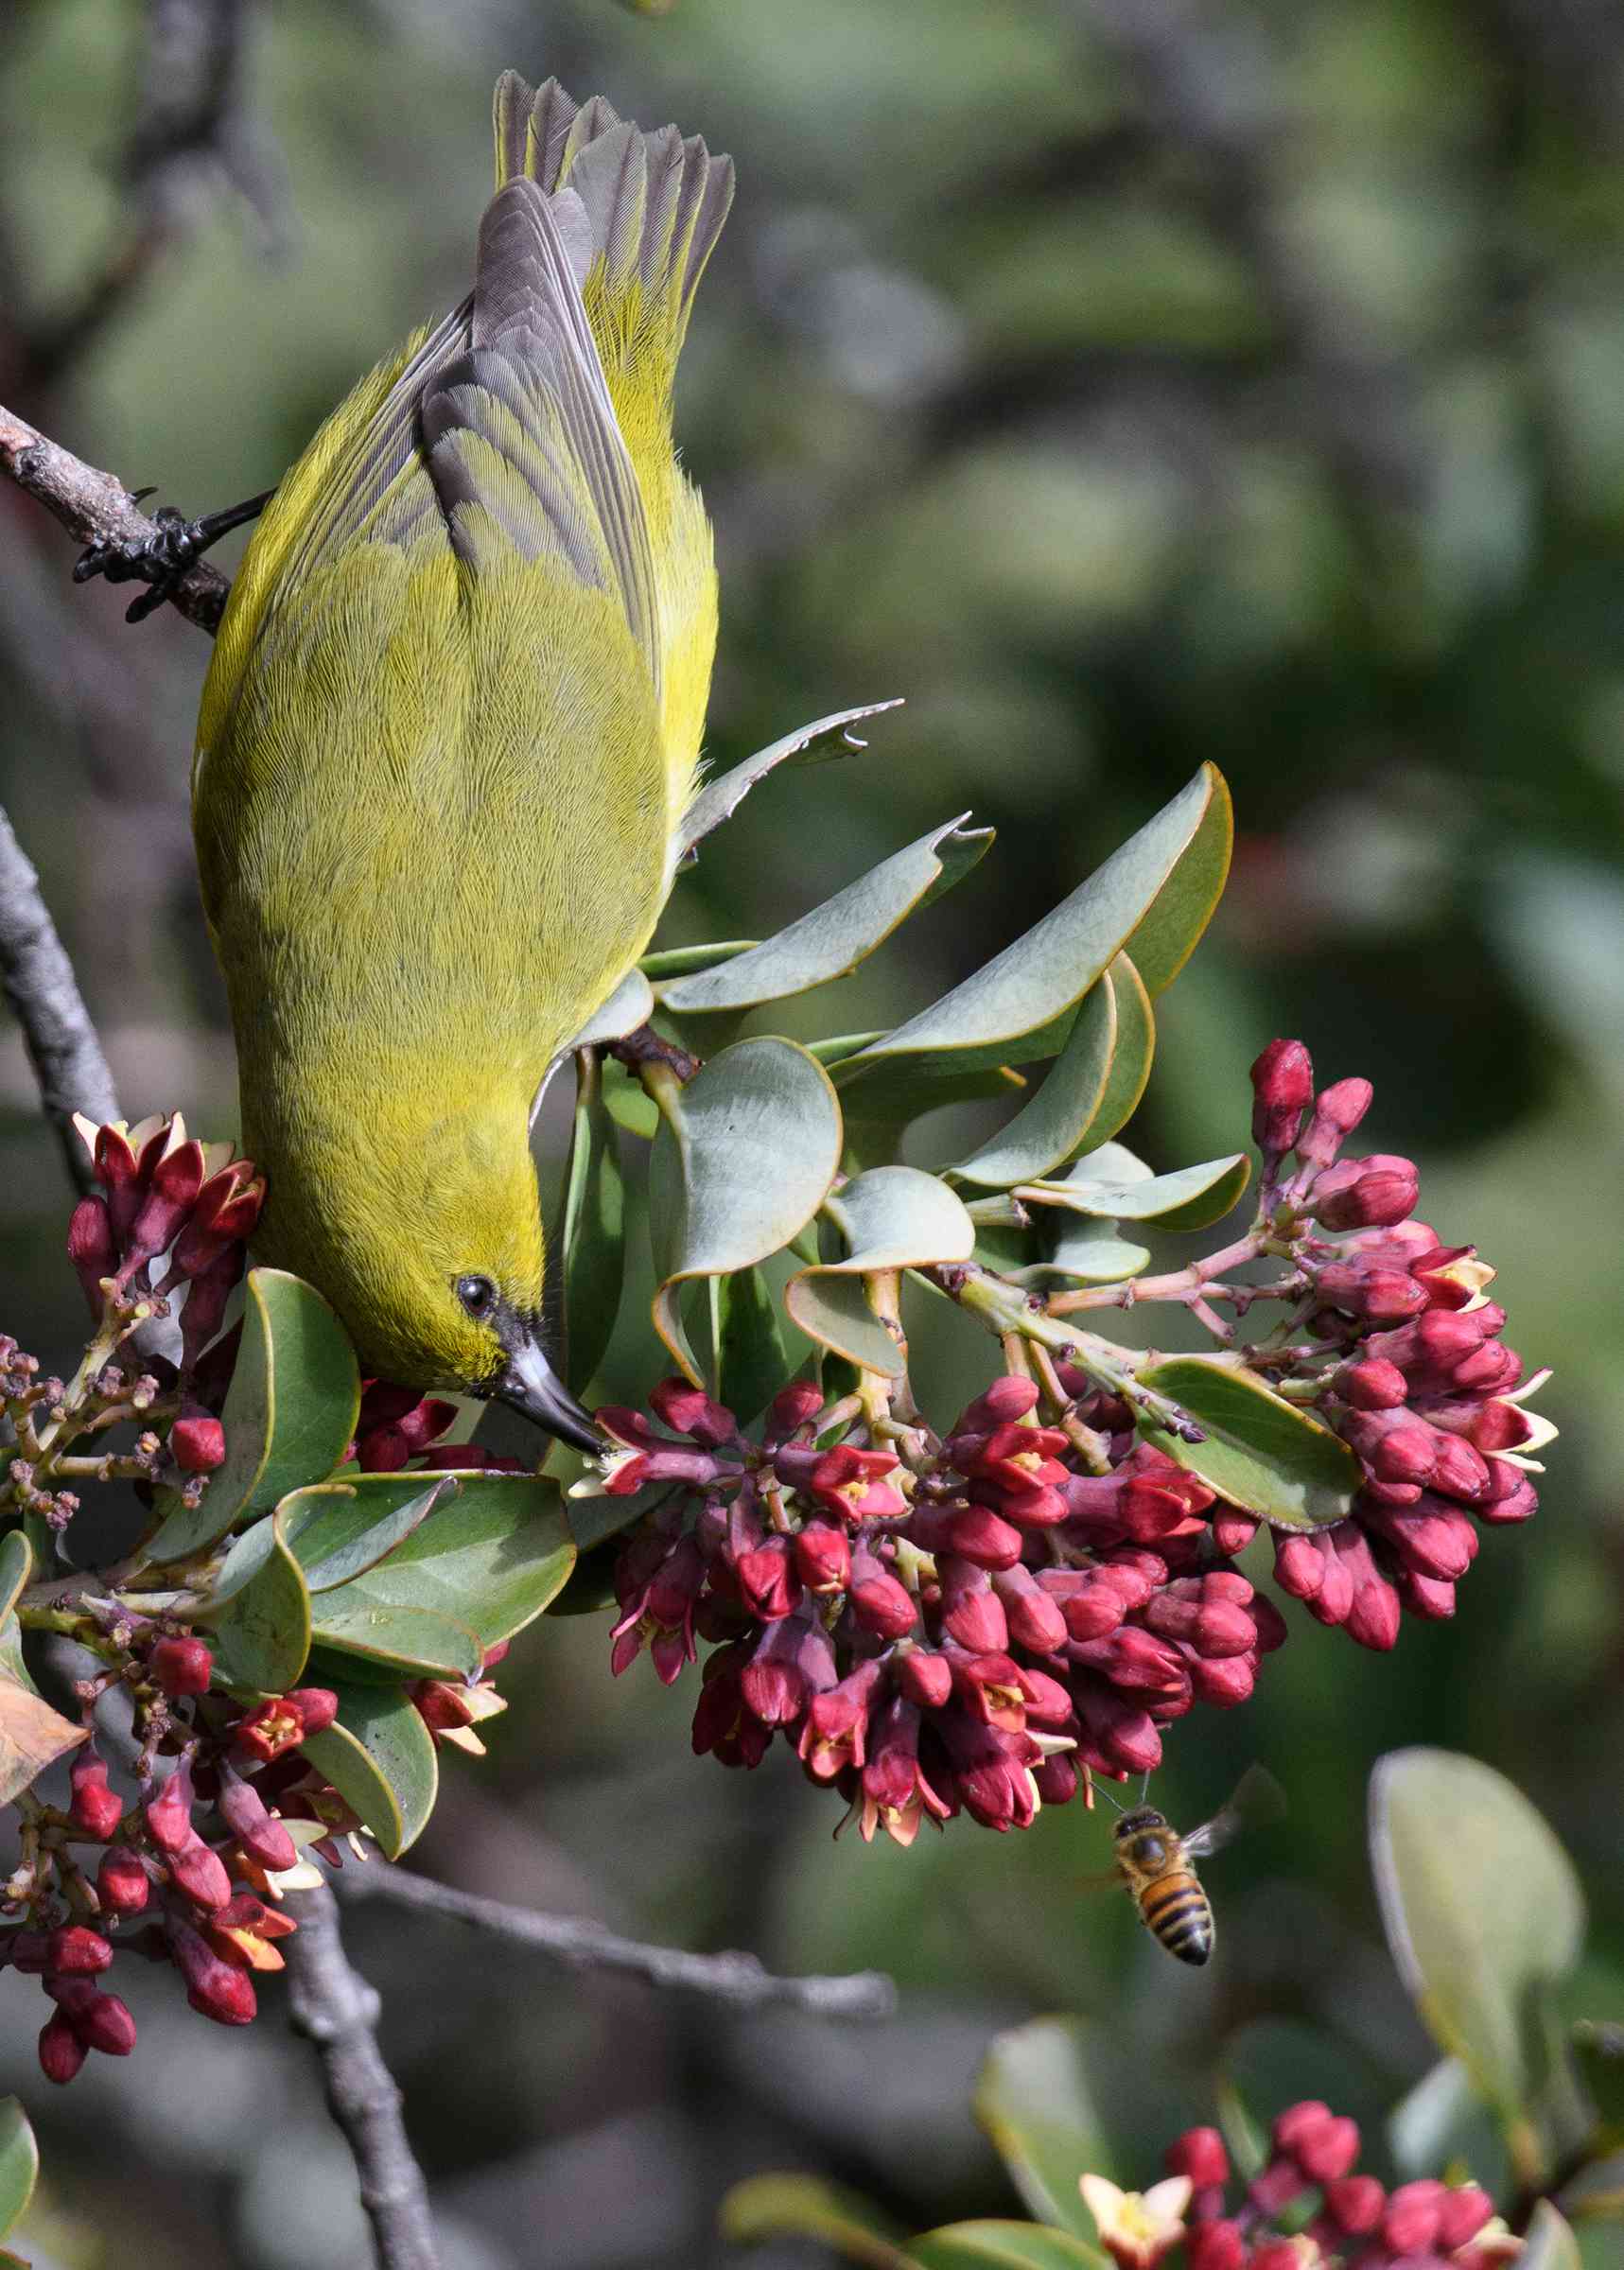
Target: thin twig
(97,508)
(738,1978)
(335,2010)
(40,985)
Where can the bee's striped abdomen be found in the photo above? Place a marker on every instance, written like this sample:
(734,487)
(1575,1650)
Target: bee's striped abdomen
(1176,1910)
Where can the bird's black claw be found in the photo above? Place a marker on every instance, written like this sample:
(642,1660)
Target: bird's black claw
(162,559)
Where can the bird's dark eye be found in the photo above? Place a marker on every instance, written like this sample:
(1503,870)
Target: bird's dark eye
(478,1294)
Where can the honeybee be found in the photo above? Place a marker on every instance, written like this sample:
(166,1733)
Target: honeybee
(1158,1864)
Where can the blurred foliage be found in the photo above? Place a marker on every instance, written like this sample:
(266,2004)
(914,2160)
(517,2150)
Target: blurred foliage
(1127,383)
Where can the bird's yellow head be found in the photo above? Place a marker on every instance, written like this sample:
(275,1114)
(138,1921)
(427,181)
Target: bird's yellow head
(432,1251)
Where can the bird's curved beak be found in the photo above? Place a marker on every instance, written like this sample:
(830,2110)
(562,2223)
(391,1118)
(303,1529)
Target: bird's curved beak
(529,1382)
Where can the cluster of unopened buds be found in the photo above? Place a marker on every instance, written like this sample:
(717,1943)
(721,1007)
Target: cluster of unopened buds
(224,1815)
(984,1619)
(1309,2209)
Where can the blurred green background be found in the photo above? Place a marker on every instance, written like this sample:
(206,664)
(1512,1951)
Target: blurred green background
(1127,383)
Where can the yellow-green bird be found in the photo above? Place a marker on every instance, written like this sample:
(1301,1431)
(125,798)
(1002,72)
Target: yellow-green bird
(451,726)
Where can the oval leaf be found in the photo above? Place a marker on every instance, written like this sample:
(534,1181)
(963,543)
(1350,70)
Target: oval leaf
(1550,2243)
(338,1530)
(1131,1057)
(18,2162)
(263,1626)
(993,2245)
(1260,1452)
(1189,1198)
(752,1361)
(289,1412)
(1482,1910)
(1018,1007)
(1087,1252)
(493,1557)
(892,1217)
(593,1228)
(830,941)
(1049,1129)
(1170,933)
(32,1735)
(418,1641)
(720,798)
(379,1756)
(16,1567)
(1035,2101)
(743,1165)
(804,2207)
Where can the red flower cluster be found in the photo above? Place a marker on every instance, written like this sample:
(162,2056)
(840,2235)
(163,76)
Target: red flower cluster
(187,1873)
(963,1633)
(164,1194)
(1354,2223)
(1422,1391)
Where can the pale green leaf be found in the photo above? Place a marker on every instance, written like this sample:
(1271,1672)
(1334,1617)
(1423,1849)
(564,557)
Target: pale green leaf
(892,1217)
(1550,2243)
(630,1005)
(18,2162)
(16,1567)
(720,798)
(379,1756)
(804,2207)
(420,1642)
(681,961)
(262,1625)
(1260,1452)
(1037,2099)
(592,1228)
(338,1530)
(744,1162)
(1192,1197)
(1184,905)
(998,2245)
(830,941)
(1483,1911)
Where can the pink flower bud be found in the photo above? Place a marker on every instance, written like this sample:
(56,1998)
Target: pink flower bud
(1354,2202)
(690,1411)
(1007,1399)
(1215,2246)
(1410,2224)
(978,1534)
(214,1988)
(121,1882)
(823,1558)
(926,1679)
(77,1952)
(767,1580)
(972,1615)
(198,1445)
(1462,2215)
(169,1814)
(102,2021)
(884,1606)
(91,1249)
(1282,1084)
(794,1407)
(1057,1779)
(93,1806)
(181,1666)
(1232,1532)
(1365,1194)
(172,1189)
(1033,1620)
(61,2052)
(1363,1289)
(201,1874)
(1328,2150)
(1200,2154)
(1371,1385)
(316,1706)
(207,1297)
(244,1813)
(1338,1111)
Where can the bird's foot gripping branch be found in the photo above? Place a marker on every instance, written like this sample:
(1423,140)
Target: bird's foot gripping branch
(941,1616)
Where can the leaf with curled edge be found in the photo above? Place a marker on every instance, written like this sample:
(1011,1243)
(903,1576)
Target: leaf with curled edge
(833,939)
(1021,1006)
(32,1737)
(379,1756)
(744,1156)
(892,1217)
(1192,1197)
(1257,1451)
(831,736)
(1091,1090)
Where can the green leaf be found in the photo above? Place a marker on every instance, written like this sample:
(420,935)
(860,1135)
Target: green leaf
(835,937)
(680,961)
(32,1737)
(1087,1252)
(804,2207)
(629,1103)
(1599,2053)
(338,1530)
(262,1625)
(1092,1090)
(1441,2121)
(289,1412)
(1549,2244)
(720,798)
(996,2245)
(1036,2099)
(1018,1006)
(742,1164)
(1131,1057)
(593,1228)
(630,1005)
(496,1552)
(1483,1911)
(1184,905)
(16,1567)
(1260,1452)
(417,1641)
(1192,1197)
(892,1217)
(379,1756)
(752,1361)
(18,2162)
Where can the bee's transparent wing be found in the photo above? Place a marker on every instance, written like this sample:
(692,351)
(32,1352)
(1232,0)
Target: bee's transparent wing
(1258,1801)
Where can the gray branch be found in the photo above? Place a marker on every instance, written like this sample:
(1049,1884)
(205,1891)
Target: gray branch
(336,2011)
(38,982)
(737,1978)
